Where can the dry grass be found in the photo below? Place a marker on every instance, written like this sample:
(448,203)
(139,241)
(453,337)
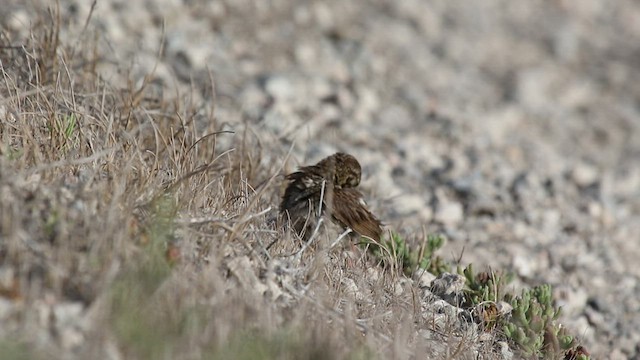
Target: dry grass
(159,222)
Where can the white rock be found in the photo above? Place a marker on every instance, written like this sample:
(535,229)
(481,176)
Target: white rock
(398,289)
(408,204)
(448,286)
(524,265)
(450,213)
(71,338)
(18,20)
(505,351)
(320,87)
(504,308)
(617,354)
(242,268)
(351,289)
(572,300)
(423,278)
(373,274)
(584,174)
(281,88)
(5,308)
(67,313)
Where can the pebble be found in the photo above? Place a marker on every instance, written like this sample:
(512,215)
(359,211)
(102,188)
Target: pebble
(67,313)
(584,175)
(6,307)
(280,88)
(423,278)
(448,287)
(450,213)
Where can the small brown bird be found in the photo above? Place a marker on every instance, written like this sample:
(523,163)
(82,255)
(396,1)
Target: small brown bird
(332,181)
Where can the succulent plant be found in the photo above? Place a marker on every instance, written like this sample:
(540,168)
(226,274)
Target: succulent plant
(411,258)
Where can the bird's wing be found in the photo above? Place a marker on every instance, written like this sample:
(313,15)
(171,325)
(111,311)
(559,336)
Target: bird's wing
(349,209)
(303,186)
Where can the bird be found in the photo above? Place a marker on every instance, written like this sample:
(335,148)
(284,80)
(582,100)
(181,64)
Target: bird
(328,189)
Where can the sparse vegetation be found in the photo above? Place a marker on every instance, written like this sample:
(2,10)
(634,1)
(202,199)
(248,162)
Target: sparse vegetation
(402,255)
(530,325)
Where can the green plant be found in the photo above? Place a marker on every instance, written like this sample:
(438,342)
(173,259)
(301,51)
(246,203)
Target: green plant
(484,286)
(397,250)
(134,311)
(531,326)
(64,130)
(15,350)
(12,153)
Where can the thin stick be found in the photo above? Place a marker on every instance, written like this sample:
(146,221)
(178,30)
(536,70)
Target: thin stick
(308,243)
(321,198)
(345,233)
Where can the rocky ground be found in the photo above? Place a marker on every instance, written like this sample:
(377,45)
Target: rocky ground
(511,127)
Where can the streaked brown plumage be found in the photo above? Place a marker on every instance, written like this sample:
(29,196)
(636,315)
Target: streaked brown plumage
(338,174)
(350,211)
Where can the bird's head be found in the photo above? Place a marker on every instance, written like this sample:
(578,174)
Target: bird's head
(347,171)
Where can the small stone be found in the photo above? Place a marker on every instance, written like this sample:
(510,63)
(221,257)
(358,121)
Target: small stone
(275,291)
(7,115)
(584,175)
(6,307)
(18,20)
(572,300)
(423,278)
(408,204)
(504,308)
(505,351)
(595,209)
(448,287)
(254,100)
(8,282)
(617,354)
(524,265)
(398,289)
(351,289)
(367,103)
(71,338)
(280,120)
(67,313)
(442,315)
(321,88)
(450,213)
(373,274)
(551,221)
(242,269)
(280,88)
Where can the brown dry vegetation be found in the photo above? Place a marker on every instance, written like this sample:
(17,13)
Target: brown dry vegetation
(135,225)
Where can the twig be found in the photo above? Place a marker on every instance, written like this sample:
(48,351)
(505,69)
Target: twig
(345,233)
(320,220)
(67,162)
(321,198)
(308,243)
(200,220)
(257,214)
